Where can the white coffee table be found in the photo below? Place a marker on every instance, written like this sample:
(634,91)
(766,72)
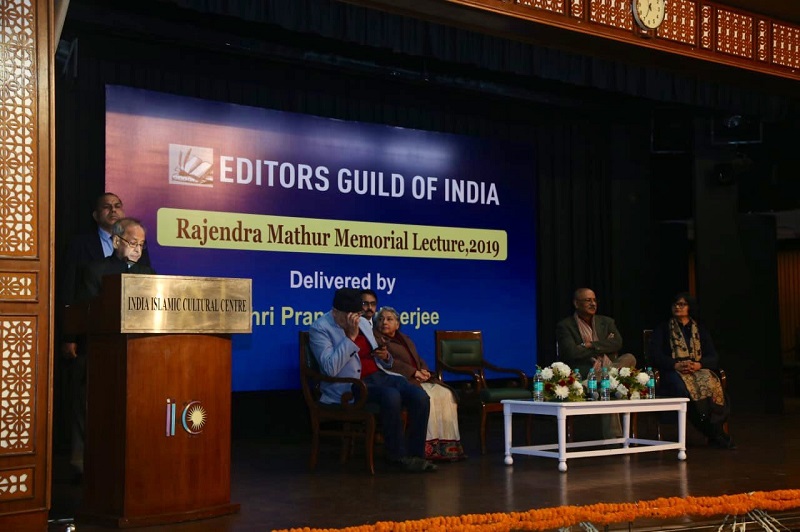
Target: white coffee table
(561,410)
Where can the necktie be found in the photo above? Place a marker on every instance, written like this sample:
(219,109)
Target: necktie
(108,250)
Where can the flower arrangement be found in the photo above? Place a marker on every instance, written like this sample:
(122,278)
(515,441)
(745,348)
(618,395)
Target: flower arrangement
(561,383)
(664,508)
(628,383)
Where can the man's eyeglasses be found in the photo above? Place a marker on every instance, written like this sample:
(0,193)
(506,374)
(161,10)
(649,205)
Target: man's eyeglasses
(367,304)
(680,304)
(109,206)
(134,244)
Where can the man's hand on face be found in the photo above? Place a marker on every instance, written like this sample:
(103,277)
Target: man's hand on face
(351,325)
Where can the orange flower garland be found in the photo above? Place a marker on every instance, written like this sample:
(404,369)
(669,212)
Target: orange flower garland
(601,513)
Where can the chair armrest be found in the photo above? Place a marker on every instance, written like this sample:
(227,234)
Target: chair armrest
(723,378)
(461,371)
(519,373)
(347,396)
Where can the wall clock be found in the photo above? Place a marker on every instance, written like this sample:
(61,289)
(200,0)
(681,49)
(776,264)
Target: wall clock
(649,14)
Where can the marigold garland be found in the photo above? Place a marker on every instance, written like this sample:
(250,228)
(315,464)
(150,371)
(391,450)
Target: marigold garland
(601,513)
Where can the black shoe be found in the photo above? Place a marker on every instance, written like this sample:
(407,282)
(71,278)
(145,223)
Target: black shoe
(722,441)
(415,464)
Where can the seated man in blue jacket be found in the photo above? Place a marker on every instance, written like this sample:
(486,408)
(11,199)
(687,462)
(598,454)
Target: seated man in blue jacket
(344,346)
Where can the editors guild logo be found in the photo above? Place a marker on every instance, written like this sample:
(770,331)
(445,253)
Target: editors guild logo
(191,165)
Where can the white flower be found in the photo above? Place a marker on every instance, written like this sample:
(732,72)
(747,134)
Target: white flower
(612,371)
(613,382)
(625,372)
(547,374)
(635,395)
(578,386)
(561,369)
(562,392)
(621,391)
(642,378)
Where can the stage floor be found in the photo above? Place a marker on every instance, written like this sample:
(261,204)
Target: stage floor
(272,483)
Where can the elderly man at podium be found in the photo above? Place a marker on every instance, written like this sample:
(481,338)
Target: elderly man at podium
(344,346)
(129,243)
(83,249)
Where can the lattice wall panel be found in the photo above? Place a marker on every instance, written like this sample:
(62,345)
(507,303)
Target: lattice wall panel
(701,29)
(18,286)
(734,33)
(786,45)
(16,484)
(17,366)
(706,23)
(18,120)
(762,40)
(556,6)
(680,22)
(614,13)
(576,8)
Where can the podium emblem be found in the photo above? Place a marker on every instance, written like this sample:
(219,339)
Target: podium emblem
(193,417)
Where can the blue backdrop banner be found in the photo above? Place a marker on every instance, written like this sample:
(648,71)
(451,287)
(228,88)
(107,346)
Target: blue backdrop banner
(440,226)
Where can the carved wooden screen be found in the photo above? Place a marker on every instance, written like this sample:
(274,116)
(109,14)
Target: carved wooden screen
(25,257)
(695,28)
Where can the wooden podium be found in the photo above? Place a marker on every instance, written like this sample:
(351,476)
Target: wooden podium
(158,427)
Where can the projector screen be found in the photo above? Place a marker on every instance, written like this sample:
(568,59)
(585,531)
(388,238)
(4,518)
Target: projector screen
(440,226)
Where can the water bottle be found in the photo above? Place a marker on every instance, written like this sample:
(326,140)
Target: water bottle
(538,386)
(651,383)
(591,384)
(605,386)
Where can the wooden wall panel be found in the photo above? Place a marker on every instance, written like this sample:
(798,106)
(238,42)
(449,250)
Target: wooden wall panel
(789,298)
(26,108)
(700,29)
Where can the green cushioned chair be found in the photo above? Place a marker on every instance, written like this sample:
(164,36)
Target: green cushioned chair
(461,353)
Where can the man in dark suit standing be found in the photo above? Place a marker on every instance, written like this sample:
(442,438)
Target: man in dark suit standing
(587,340)
(369,305)
(128,238)
(83,249)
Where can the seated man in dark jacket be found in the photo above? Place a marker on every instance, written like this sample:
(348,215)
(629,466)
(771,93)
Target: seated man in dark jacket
(587,340)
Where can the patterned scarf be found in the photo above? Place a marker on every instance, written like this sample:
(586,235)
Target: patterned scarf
(677,341)
(588,334)
(703,383)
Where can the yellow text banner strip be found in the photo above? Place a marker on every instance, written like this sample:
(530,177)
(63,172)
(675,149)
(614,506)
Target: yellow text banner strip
(227,230)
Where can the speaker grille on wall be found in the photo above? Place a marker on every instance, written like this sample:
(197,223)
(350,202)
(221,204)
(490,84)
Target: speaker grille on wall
(736,129)
(723,174)
(740,168)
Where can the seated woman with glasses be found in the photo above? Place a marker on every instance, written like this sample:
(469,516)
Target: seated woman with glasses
(443,440)
(682,350)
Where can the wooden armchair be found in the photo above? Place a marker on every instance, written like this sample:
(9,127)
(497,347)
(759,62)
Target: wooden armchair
(346,420)
(461,353)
